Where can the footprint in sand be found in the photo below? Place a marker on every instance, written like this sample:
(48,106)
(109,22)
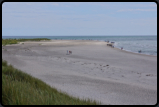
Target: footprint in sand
(133,71)
(138,73)
(149,75)
(123,76)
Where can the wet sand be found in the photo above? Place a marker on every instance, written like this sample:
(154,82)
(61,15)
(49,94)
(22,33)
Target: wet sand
(93,70)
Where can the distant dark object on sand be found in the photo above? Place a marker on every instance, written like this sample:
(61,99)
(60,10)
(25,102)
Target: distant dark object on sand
(139,51)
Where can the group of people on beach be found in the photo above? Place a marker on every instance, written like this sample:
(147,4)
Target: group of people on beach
(69,52)
(113,46)
(107,41)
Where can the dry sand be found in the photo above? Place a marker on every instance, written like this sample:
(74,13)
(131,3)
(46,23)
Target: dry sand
(93,70)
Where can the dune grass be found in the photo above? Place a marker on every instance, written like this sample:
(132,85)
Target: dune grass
(9,41)
(15,41)
(19,88)
(34,39)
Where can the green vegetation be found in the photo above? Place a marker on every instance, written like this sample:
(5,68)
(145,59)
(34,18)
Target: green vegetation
(35,39)
(19,88)
(9,41)
(15,41)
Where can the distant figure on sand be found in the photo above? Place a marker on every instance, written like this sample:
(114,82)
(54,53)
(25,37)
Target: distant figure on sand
(70,52)
(139,51)
(121,48)
(67,51)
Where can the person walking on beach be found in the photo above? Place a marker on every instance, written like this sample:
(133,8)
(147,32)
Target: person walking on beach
(121,48)
(67,52)
(139,51)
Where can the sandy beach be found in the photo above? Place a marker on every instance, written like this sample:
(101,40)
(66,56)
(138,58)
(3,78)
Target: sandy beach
(93,70)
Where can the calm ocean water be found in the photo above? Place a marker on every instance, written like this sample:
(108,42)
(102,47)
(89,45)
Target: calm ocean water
(147,44)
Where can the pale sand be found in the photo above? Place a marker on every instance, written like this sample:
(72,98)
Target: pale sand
(93,70)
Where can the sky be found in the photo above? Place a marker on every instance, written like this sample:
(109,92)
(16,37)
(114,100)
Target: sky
(79,18)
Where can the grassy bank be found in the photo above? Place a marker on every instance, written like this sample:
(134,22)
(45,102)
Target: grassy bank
(15,41)
(19,88)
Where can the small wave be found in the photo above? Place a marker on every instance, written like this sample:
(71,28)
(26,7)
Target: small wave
(154,53)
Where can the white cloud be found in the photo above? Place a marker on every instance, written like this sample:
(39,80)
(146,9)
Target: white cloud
(28,4)
(153,5)
(127,10)
(147,5)
(55,4)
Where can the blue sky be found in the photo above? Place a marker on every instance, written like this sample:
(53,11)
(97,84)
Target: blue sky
(78,18)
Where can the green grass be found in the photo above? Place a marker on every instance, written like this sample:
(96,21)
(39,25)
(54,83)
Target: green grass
(35,39)
(19,88)
(15,41)
(9,41)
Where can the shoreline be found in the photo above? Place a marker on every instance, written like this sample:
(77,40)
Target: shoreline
(52,40)
(146,50)
(134,52)
(94,70)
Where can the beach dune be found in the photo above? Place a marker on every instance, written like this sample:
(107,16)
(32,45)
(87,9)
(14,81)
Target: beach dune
(93,70)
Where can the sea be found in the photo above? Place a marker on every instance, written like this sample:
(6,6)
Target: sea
(147,44)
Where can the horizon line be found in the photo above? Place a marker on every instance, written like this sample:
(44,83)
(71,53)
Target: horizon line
(83,35)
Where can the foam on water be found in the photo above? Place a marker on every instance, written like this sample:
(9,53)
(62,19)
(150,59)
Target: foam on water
(146,46)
